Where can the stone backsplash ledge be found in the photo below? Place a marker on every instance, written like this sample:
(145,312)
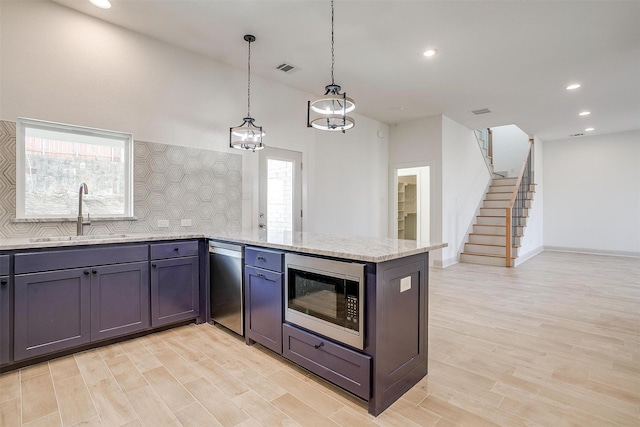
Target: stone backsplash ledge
(170,183)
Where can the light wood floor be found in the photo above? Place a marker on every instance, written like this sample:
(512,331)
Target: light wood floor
(554,342)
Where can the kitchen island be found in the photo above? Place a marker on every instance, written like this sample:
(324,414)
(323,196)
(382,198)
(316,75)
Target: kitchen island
(393,357)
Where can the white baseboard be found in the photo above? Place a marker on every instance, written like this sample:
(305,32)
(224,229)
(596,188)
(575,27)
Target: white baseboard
(593,251)
(525,257)
(445,263)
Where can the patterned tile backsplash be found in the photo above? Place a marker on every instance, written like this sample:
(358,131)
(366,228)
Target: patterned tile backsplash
(170,183)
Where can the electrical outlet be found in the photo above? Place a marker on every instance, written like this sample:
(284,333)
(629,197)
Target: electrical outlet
(185,222)
(163,223)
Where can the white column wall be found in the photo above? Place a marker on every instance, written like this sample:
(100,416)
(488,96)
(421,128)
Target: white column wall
(532,243)
(592,194)
(419,143)
(64,66)
(465,178)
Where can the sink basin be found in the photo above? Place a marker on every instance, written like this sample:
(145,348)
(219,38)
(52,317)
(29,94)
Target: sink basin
(76,238)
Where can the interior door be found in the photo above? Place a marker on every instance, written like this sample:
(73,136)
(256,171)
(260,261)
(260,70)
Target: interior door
(280,191)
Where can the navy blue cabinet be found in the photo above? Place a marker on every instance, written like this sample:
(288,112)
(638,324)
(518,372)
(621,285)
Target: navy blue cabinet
(5,307)
(119,299)
(263,281)
(67,298)
(175,282)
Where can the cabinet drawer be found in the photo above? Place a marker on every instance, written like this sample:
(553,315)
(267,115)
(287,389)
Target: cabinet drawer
(264,258)
(34,262)
(174,250)
(4,265)
(340,365)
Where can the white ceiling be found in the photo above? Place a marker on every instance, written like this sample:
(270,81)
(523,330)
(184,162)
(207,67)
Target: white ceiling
(513,57)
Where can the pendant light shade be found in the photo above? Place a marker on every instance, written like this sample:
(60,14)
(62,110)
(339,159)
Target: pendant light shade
(329,112)
(247,136)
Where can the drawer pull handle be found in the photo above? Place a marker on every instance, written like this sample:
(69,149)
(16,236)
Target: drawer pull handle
(86,272)
(317,346)
(3,282)
(176,249)
(154,265)
(262,276)
(261,258)
(94,271)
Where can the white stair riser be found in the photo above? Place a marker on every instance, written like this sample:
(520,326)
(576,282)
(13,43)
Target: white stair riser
(484,260)
(498,196)
(496,203)
(501,188)
(483,239)
(488,249)
(499,212)
(504,181)
(493,229)
(502,203)
(491,220)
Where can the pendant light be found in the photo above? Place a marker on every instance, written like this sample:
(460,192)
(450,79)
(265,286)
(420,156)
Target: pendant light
(247,136)
(332,108)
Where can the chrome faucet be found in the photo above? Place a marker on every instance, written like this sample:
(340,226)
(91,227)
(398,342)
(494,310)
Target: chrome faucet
(81,221)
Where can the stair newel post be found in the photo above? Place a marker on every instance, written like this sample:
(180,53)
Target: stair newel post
(508,243)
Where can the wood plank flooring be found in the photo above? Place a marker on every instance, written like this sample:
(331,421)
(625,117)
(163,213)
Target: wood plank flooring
(553,342)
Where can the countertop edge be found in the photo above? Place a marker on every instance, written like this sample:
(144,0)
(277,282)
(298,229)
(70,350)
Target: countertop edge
(26,244)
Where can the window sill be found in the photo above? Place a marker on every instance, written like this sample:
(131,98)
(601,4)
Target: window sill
(93,219)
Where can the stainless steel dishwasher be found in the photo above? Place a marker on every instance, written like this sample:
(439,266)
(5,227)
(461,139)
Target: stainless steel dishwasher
(227,294)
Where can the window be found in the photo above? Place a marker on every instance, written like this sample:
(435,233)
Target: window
(54,159)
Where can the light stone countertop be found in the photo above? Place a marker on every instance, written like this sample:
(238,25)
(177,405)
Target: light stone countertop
(368,249)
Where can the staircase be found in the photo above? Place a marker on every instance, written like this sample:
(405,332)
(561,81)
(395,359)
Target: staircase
(487,241)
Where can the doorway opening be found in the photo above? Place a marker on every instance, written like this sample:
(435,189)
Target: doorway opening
(413,197)
(280,191)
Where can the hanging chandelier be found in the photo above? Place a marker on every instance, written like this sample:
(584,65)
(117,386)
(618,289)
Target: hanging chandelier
(332,108)
(247,136)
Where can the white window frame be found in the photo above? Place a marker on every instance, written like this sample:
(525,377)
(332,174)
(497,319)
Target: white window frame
(76,133)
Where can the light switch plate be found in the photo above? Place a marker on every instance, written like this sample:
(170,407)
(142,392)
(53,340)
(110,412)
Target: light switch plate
(405,284)
(163,223)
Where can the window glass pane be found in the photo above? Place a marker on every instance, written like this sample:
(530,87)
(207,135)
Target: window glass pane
(56,162)
(279,196)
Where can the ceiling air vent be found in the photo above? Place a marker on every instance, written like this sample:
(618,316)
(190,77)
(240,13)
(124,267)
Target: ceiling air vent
(481,111)
(286,68)
(577,134)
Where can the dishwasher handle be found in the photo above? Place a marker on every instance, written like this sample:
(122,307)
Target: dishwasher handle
(225,252)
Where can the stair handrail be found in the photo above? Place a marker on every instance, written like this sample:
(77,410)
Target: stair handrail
(509,223)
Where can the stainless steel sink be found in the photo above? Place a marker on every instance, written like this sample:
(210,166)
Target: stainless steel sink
(76,238)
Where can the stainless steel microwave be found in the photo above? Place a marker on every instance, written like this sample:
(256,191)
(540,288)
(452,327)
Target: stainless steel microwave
(325,297)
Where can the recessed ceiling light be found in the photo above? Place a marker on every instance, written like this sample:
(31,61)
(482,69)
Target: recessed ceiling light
(588,129)
(585,113)
(430,52)
(573,86)
(102,4)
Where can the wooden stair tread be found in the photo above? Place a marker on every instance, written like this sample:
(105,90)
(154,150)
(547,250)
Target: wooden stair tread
(487,255)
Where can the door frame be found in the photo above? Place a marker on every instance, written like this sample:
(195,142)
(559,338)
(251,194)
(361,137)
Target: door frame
(393,195)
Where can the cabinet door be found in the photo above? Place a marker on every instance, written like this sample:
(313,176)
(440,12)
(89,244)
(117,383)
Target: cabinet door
(119,299)
(263,321)
(5,355)
(174,290)
(52,312)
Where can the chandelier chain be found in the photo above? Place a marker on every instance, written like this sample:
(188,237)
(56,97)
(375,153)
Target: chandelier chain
(249,82)
(332,51)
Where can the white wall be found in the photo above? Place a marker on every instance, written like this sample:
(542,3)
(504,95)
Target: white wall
(592,194)
(350,181)
(419,143)
(532,242)
(510,145)
(68,67)
(464,180)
